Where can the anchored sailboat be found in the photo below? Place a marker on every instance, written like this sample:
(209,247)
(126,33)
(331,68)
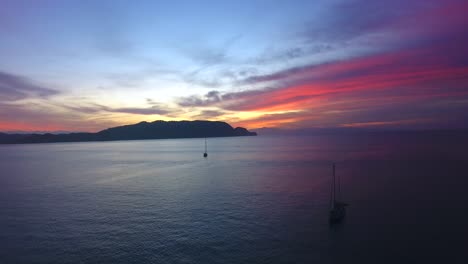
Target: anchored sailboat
(338,209)
(206,150)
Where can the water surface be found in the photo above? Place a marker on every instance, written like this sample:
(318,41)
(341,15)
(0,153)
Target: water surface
(258,199)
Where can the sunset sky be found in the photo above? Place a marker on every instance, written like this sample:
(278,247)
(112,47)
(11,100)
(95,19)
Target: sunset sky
(89,65)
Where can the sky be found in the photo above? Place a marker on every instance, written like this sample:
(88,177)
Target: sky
(89,65)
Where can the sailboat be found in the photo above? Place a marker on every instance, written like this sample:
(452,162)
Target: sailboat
(338,209)
(206,150)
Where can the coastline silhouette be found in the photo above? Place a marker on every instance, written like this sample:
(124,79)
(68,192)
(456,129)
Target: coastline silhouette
(142,130)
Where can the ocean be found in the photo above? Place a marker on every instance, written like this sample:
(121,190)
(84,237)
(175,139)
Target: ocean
(261,199)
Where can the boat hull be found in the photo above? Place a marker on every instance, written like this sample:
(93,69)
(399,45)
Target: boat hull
(337,214)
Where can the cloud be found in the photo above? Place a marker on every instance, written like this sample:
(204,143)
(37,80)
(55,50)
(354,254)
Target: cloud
(362,64)
(209,114)
(217,77)
(350,29)
(371,112)
(156,109)
(278,76)
(208,99)
(39,117)
(351,19)
(388,87)
(382,22)
(15,88)
(345,29)
(50,116)
(212,62)
(300,51)
(444,53)
(276,120)
(364,75)
(139,111)
(201,79)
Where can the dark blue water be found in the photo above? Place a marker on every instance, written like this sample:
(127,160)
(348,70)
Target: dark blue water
(253,200)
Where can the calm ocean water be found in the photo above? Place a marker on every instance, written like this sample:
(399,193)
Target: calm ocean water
(258,199)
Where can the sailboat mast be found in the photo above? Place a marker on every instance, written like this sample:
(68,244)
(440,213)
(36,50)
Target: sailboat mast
(205,146)
(334,187)
(339,187)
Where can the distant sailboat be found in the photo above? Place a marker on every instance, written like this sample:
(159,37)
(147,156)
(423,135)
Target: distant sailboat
(338,209)
(206,150)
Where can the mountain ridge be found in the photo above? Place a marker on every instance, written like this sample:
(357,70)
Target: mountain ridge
(140,131)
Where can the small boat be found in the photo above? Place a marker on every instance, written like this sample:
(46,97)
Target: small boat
(206,151)
(338,209)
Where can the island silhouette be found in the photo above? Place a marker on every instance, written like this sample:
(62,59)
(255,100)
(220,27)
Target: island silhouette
(143,130)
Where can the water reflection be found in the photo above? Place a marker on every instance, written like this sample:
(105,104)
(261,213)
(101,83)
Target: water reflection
(255,200)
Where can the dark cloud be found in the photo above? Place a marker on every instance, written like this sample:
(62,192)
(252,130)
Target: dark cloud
(24,113)
(140,111)
(209,114)
(150,101)
(218,76)
(241,101)
(208,99)
(303,50)
(229,101)
(277,76)
(156,109)
(89,109)
(14,88)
